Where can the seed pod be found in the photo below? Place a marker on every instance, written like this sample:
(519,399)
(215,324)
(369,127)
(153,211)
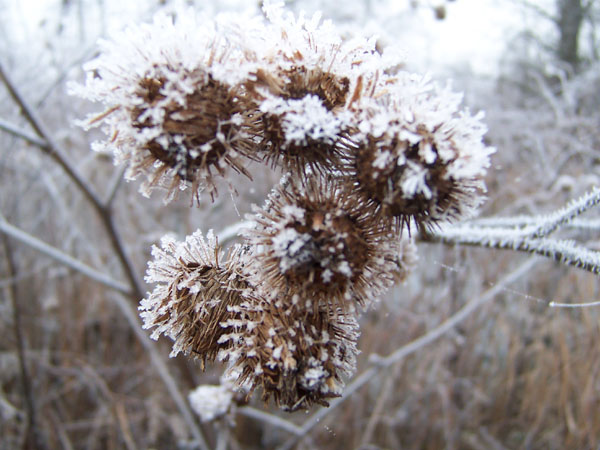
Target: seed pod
(194,293)
(302,91)
(418,156)
(303,120)
(176,112)
(296,358)
(323,244)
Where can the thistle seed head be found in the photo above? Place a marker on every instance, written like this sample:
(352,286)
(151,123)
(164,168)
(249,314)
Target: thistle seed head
(296,358)
(302,119)
(194,293)
(176,113)
(417,155)
(322,243)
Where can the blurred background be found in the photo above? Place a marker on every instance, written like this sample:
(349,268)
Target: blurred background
(77,371)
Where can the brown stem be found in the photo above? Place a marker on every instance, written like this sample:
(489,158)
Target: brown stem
(33,437)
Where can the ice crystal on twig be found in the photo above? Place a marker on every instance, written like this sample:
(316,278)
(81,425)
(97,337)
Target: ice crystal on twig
(194,293)
(323,244)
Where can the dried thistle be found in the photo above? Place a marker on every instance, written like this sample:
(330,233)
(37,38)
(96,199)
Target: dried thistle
(316,240)
(194,293)
(296,358)
(417,154)
(175,113)
(302,92)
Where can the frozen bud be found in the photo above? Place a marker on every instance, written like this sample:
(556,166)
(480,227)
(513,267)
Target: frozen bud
(175,111)
(195,294)
(323,244)
(417,154)
(296,358)
(211,402)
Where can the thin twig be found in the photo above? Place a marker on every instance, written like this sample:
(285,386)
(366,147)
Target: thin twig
(51,148)
(564,251)
(270,419)
(232,231)
(21,134)
(379,363)
(161,367)
(63,258)
(114,187)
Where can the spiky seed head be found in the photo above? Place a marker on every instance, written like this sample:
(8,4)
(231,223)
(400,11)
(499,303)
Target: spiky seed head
(417,155)
(176,113)
(302,91)
(319,241)
(302,119)
(195,290)
(199,139)
(296,358)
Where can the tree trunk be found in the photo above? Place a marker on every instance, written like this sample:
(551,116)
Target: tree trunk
(570,19)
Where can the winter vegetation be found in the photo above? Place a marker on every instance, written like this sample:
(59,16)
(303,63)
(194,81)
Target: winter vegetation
(340,249)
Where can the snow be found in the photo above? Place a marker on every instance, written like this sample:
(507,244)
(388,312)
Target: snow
(211,402)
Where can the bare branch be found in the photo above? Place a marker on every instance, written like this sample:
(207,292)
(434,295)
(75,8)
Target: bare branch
(63,258)
(114,187)
(22,134)
(270,419)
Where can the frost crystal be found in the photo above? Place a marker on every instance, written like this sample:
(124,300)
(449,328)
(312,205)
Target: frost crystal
(211,402)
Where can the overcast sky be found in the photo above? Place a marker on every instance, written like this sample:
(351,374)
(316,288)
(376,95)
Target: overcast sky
(473,35)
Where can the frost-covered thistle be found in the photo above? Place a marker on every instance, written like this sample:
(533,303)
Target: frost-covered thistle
(318,243)
(302,91)
(175,109)
(417,154)
(194,293)
(368,150)
(296,358)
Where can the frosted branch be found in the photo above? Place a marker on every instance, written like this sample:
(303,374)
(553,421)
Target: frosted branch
(21,134)
(564,215)
(63,258)
(528,234)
